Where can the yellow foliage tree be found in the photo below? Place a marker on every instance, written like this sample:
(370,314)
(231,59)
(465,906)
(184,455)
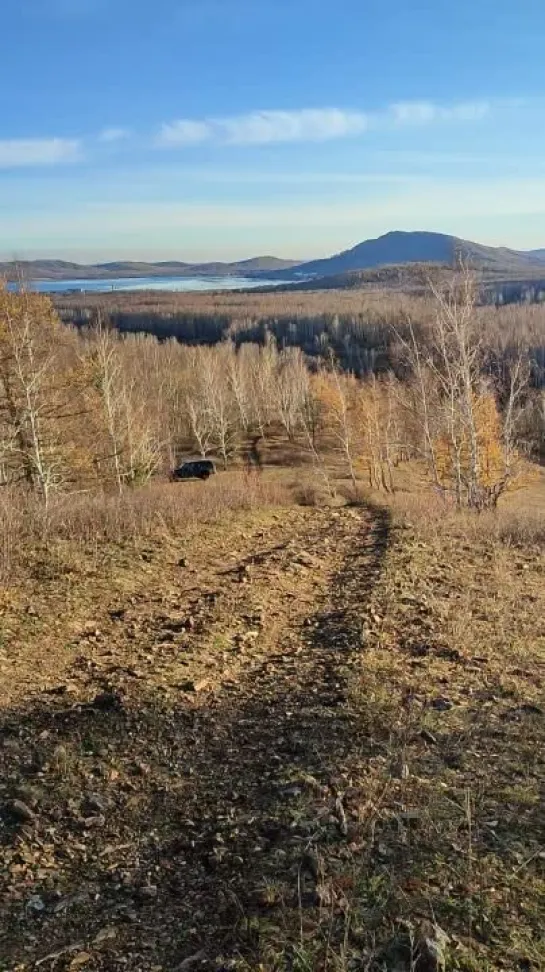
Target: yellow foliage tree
(380,440)
(337,398)
(41,396)
(471,460)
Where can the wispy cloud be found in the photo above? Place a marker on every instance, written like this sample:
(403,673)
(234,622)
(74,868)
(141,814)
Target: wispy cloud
(114,134)
(186,132)
(310,125)
(16,153)
(266,127)
(313,125)
(426,112)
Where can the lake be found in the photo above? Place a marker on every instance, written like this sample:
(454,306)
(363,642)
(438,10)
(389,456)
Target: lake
(149,283)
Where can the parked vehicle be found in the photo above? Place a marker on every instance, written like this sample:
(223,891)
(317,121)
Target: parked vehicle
(194,469)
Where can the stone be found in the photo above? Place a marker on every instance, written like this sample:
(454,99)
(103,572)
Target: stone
(107,701)
(35,904)
(21,812)
(92,805)
(431,948)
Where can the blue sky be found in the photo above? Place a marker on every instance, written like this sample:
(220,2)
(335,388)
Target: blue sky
(202,129)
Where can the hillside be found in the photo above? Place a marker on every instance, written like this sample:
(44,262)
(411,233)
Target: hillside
(420,247)
(66,270)
(414,278)
(315,709)
(405,277)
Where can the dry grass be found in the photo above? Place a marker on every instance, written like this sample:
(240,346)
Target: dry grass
(443,789)
(425,722)
(515,522)
(158,510)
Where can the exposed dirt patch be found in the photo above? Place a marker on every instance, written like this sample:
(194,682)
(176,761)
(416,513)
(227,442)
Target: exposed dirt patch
(311,740)
(158,772)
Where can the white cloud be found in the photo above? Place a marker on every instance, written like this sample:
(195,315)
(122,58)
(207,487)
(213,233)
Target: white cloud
(308,125)
(114,134)
(427,112)
(313,124)
(185,132)
(15,153)
(266,128)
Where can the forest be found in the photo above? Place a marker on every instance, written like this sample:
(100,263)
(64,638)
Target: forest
(357,326)
(443,381)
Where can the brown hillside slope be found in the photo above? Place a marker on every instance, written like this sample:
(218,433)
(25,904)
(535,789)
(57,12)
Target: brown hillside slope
(288,748)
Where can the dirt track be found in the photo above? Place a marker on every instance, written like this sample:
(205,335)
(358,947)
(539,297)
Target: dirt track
(168,759)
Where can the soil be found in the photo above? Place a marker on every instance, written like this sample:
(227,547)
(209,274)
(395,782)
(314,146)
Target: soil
(158,753)
(301,739)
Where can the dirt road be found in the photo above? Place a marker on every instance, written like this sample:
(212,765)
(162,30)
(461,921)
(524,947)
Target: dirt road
(166,785)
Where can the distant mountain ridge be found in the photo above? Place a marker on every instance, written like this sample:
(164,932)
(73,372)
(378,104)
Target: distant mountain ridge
(66,270)
(396,248)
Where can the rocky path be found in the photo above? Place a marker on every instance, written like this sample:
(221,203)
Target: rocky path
(169,795)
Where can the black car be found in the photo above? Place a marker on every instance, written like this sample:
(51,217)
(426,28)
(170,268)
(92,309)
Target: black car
(194,469)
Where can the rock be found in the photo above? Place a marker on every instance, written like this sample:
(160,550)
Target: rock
(92,806)
(190,961)
(28,795)
(21,812)
(105,935)
(194,686)
(442,704)
(431,948)
(107,701)
(183,562)
(80,959)
(35,904)
(311,865)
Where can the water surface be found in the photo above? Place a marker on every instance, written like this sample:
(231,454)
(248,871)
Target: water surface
(149,283)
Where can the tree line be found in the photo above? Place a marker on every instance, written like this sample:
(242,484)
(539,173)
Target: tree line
(359,328)
(89,408)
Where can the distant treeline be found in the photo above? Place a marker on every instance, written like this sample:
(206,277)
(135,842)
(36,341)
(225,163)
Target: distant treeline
(360,330)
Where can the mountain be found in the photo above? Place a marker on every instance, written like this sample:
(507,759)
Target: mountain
(65,270)
(394,249)
(398,248)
